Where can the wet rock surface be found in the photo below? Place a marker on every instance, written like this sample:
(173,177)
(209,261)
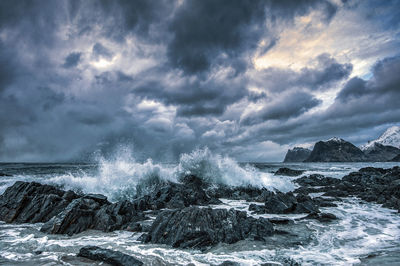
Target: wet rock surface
(377,185)
(176,195)
(286,203)
(33,202)
(89,213)
(108,256)
(316,180)
(195,227)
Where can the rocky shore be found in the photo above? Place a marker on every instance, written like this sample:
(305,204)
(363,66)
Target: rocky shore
(185,215)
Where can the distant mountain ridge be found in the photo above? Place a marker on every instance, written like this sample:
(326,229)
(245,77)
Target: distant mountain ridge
(340,150)
(391,137)
(297,154)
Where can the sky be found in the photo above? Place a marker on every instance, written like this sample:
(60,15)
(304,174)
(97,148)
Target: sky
(247,79)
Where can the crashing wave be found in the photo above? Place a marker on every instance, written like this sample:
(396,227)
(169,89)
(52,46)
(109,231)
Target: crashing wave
(122,177)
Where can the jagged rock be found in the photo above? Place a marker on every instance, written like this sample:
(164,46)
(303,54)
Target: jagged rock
(316,180)
(297,154)
(288,172)
(26,202)
(109,256)
(371,184)
(248,193)
(92,213)
(336,150)
(280,203)
(175,196)
(195,227)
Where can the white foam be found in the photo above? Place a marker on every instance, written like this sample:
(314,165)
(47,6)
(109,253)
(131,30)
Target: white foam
(118,178)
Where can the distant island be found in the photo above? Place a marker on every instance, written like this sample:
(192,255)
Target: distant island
(384,149)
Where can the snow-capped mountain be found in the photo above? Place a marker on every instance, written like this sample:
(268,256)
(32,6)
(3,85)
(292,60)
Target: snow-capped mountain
(391,137)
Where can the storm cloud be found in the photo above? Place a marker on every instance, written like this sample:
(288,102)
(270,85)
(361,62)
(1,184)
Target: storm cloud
(245,78)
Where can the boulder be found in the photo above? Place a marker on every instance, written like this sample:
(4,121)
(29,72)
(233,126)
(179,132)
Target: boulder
(195,227)
(108,256)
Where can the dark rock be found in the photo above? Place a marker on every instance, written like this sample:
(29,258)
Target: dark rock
(281,203)
(4,174)
(370,184)
(32,202)
(336,150)
(288,172)
(109,256)
(175,196)
(248,193)
(316,180)
(97,197)
(396,158)
(87,213)
(278,220)
(297,154)
(201,227)
(322,217)
(324,202)
(229,263)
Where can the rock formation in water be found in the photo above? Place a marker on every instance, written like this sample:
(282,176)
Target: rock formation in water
(297,154)
(336,150)
(195,227)
(288,172)
(285,203)
(32,202)
(371,184)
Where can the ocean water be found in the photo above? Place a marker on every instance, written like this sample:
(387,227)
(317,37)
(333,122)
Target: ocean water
(365,234)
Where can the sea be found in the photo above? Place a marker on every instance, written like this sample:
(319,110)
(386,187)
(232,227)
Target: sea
(364,234)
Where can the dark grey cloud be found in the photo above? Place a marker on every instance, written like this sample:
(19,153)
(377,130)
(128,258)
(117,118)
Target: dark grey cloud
(204,31)
(326,73)
(168,76)
(72,60)
(291,105)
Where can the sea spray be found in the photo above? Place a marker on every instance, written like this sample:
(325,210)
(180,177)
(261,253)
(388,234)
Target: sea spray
(118,178)
(122,177)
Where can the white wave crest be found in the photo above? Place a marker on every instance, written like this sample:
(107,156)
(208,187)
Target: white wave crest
(122,177)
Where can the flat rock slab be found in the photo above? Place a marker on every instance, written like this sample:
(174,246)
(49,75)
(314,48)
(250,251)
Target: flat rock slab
(108,256)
